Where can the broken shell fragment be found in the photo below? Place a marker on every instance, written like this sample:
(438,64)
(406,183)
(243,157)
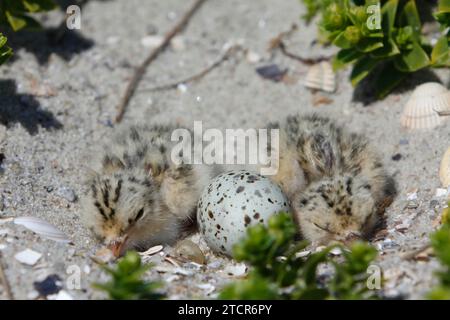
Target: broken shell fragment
(28,257)
(151,251)
(188,250)
(422,111)
(444,171)
(321,77)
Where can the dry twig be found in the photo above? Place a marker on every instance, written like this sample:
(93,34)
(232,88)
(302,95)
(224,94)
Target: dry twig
(4,280)
(412,254)
(132,85)
(230,51)
(277,43)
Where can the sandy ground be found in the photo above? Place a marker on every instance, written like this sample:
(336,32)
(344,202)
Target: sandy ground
(57,104)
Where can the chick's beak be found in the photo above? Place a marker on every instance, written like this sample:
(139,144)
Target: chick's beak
(117,246)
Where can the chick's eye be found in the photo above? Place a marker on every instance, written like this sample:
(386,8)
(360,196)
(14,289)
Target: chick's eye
(139,215)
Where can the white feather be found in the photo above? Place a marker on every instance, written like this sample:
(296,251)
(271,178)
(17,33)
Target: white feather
(42,228)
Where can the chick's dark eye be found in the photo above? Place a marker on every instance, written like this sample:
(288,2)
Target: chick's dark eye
(139,214)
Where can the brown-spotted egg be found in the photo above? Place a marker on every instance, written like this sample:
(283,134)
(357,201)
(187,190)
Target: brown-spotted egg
(234,201)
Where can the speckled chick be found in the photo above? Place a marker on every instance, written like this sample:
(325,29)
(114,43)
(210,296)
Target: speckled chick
(336,182)
(138,196)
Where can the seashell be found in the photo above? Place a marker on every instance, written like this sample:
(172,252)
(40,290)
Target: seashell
(42,228)
(444,171)
(190,251)
(423,109)
(28,257)
(321,77)
(151,251)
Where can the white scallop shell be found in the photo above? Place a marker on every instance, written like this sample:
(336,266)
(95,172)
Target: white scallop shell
(444,171)
(422,111)
(42,228)
(321,77)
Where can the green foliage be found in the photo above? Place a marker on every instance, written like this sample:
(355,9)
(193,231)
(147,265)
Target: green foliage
(374,34)
(5,51)
(440,242)
(126,280)
(277,272)
(16,14)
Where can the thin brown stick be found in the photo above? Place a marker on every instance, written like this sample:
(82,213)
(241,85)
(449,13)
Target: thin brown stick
(4,280)
(307,61)
(200,74)
(412,254)
(132,85)
(277,43)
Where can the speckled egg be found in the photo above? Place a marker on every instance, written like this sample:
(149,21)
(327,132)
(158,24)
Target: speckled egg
(234,201)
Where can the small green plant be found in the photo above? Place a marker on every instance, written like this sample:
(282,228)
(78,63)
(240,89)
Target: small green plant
(440,241)
(384,36)
(126,280)
(5,51)
(278,273)
(16,14)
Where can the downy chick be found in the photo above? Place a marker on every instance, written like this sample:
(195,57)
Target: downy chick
(336,182)
(138,196)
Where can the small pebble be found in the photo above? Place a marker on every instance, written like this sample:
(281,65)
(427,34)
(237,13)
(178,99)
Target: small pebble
(411,196)
(253,57)
(214,265)
(62,295)
(434,204)
(412,205)
(32,295)
(397,157)
(440,192)
(67,194)
(50,285)
(238,270)
(182,88)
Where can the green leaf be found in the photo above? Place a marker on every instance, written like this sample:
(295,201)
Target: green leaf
(39,5)
(389,12)
(389,78)
(440,56)
(345,57)
(21,21)
(388,50)
(5,51)
(126,280)
(16,22)
(255,287)
(369,45)
(341,41)
(362,69)
(412,60)
(411,15)
(310,266)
